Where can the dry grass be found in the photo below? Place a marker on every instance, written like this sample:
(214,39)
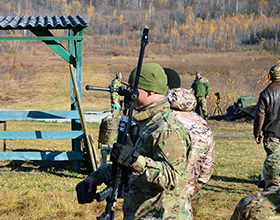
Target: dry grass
(46,191)
(33,190)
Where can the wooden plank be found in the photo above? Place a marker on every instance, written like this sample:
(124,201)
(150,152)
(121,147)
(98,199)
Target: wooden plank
(58,156)
(41,134)
(26,114)
(87,135)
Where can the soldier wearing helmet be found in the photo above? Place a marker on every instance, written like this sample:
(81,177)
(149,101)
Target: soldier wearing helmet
(264,205)
(267,118)
(115,97)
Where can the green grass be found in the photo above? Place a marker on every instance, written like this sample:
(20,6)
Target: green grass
(33,190)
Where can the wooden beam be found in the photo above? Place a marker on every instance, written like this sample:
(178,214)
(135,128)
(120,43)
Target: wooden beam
(58,156)
(41,134)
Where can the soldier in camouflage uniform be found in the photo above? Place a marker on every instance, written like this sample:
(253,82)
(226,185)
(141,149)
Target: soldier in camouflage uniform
(267,117)
(201,89)
(115,97)
(157,187)
(264,205)
(201,157)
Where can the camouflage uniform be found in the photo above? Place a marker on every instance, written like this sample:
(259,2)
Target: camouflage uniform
(201,88)
(201,156)
(115,97)
(158,184)
(266,204)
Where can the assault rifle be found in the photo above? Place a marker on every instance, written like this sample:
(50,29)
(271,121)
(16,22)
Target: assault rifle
(117,179)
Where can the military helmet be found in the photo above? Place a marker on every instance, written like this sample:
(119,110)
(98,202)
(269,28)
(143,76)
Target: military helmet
(271,167)
(274,73)
(118,75)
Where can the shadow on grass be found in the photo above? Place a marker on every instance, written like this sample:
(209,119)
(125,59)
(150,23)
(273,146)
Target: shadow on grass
(253,179)
(219,187)
(63,168)
(57,168)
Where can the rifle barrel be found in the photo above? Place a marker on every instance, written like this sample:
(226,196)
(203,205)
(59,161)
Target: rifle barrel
(89,87)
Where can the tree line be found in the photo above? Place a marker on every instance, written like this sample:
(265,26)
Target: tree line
(215,24)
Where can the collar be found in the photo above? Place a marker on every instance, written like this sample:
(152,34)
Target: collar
(151,109)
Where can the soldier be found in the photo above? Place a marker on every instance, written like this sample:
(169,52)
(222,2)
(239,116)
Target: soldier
(158,160)
(201,156)
(266,204)
(115,97)
(201,89)
(267,117)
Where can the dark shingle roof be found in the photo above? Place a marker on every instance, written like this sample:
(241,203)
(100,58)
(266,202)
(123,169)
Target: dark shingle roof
(47,22)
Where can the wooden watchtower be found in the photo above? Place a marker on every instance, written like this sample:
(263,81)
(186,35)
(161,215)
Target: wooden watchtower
(40,27)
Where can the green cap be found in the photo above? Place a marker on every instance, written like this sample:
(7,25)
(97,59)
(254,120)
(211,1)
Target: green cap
(152,78)
(275,73)
(271,168)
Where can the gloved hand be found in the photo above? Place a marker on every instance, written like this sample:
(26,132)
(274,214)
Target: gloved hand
(123,154)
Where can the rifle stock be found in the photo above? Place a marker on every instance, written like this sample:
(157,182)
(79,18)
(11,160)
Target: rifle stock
(110,193)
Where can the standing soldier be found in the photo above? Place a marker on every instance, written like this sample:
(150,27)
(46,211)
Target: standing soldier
(267,117)
(115,97)
(159,158)
(201,88)
(201,156)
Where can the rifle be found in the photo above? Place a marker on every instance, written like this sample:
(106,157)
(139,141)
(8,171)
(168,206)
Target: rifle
(111,192)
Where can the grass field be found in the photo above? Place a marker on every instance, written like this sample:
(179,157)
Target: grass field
(30,190)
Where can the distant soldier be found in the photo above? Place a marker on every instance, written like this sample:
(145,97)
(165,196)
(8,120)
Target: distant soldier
(201,154)
(201,89)
(115,97)
(266,204)
(267,117)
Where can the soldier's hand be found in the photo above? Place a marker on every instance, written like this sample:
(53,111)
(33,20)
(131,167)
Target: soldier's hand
(258,140)
(122,154)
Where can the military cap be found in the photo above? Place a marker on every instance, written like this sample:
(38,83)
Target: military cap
(173,79)
(152,78)
(198,72)
(275,73)
(271,167)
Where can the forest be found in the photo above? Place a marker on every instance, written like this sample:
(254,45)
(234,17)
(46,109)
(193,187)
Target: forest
(174,25)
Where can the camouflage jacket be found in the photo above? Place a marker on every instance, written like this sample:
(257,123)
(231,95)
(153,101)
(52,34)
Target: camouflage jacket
(114,95)
(201,155)
(201,87)
(262,206)
(158,184)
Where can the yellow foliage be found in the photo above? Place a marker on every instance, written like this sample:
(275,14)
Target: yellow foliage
(146,16)
(121,19)
(91,10)
(115,13)
(77,4)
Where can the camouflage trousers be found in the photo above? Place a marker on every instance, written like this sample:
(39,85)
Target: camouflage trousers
(201,105)
(271,145)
